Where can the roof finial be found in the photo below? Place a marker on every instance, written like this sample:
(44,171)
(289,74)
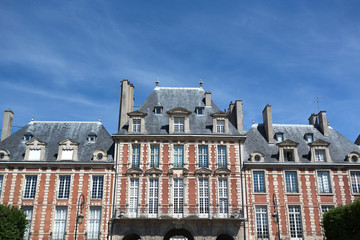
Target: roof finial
(157,82)
(99,118)
(32,118)
(201,83)
(253,121)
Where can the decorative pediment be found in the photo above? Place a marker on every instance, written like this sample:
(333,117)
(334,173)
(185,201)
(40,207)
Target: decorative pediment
(137,113)
(35,142)
(203,172)
(179,111)
(134,171)
(222,172)
(219,114)
(178,171)
(319,142)
(69,142)
(287,143)
(153,171)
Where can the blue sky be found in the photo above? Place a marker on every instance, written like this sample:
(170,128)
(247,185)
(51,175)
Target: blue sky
(64,60)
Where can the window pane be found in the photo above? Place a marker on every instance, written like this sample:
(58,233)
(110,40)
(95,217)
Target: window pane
(1,183)
(97,187)
(259,183)
(179,124)
(67,154)
(153,196)
(135,156)
(94,223)
(34,154)
(220,126)
(291,182)
(64,187)
(136,125)
(295,222)
(203,156)
(178,196)
(133,197)
(324,182)
(28,211)
(320,155)
(222,162)
(355,181)
(154,158)
(223,197)
(60,223)
(178,156)
(262,229)
(30,187)
(203,196)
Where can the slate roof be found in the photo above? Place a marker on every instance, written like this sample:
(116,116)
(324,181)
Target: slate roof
(339,146)
(54,132)
(170,98)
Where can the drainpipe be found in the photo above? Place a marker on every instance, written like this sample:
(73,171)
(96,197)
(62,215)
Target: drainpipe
(242,185)
(114,190)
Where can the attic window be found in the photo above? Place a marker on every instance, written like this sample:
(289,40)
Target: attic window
(2,156)
(289,155)
(309,138)
(158,110)
(27,136)
(199,110)
(91,137)
(279,137)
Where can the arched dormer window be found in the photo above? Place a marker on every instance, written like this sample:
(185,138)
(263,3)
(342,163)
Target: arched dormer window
(99,155)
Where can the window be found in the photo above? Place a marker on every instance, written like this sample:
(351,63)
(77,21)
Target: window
(60,223)
(355,182)
(222,163)
(203,156)
(309,138)
(288,155)
(259,182)
(320,155)
(1,183)
(179,124)
(279,137)
(135,156)
(30,187)
(199,111)
(220,126)
(94,223)
(64,187)
(291,182)
(178,156)
(154,158)
(27,137)
(97,187)
(204,197)
(324,182)
(2,156)
(153,197)
(34,154)
(158,110)
(91,137)
(133,197)
(28,212)
(326,208)
(178,196)
(136,125)
(67,154)
(262,228)
(295,222)
(223,198)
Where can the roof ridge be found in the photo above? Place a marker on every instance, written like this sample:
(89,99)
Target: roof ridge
(65,122)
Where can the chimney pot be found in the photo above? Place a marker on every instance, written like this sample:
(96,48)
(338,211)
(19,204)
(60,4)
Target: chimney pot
(313,119)
(207,98)
(7,124)
(267,119)
(323,124)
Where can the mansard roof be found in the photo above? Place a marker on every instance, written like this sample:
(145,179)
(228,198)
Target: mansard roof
(339,146)
(175,99)
(53,133)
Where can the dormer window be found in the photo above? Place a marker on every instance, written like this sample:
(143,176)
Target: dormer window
(199,110)
(67,154)
(27,136)
(320,155)
(319,151)
(91,137)
(220,126)
(179,124)
(34,154)
(288,155)
(179,120)
(136,126)
(288,151)
(309,138)
(35,150)
(158,110)
(68,150)
(279,137)
(137,122)
(220,122)
(99,155)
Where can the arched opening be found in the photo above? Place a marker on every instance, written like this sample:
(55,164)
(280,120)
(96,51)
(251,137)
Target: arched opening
(131,236)
(224,237)
(178,234)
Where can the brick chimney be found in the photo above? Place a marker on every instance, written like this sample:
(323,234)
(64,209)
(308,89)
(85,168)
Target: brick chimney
(207,99)
(236,115)
(7,124)
(126,102)
(267,119)
(323,123)
(313,120)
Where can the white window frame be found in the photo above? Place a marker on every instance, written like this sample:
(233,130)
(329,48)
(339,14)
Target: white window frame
(178,156)
(320,155)
(291,182)
(325,208)
(178,197)
(204,198)
(60,223)
(153,197)
(259,182)
(64,187)
(223,198)
(221,156)
(94,223)
(135,156)
(324,182)
(154,156)
(30,186)
(355,182)
(203,156)
(67,154)
(220,126)
(97,187)
(133,197)
(34,154)
(136,125)
(179,125)
(28,210)
(295,223)
(262,224)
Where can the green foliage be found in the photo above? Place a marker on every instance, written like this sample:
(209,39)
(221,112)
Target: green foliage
(343,222)
(12,222)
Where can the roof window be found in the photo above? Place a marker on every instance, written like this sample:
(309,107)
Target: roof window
(91,137)
(158,110)
(309,137)
(199,111)
(279,137)
(27,136)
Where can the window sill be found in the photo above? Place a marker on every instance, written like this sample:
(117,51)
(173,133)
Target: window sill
(293,193)
(260,193)
(326,194)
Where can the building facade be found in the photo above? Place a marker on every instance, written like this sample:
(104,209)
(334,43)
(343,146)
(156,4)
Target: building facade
(178,167)
(48,168)
(295,173)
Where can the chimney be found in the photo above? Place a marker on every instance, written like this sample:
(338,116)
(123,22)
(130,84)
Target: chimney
(7,124)
(236,115)
(267,119)
(323,123)
(126,102)
(313,119)
(207,99)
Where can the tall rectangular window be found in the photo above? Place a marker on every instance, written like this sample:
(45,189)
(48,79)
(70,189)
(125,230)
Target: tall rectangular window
(289,155)
(295,222)
(223,198)
(154,158)
(179,124)
(355,182)
(153,197)
(34,154)
(64,187)
(291,182)
(178,196)
(324,182)
(221,155)
(28,212)
(94,223)
(178,156)
(204,197)
(262,228)
(97,187)
(136,125)
(320,155)
(135,156)
(67,154)
(60,223)
(259,182)
(1,183)
(30,187)
(220,126)
(133,197)
(325,208)
(203,156)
